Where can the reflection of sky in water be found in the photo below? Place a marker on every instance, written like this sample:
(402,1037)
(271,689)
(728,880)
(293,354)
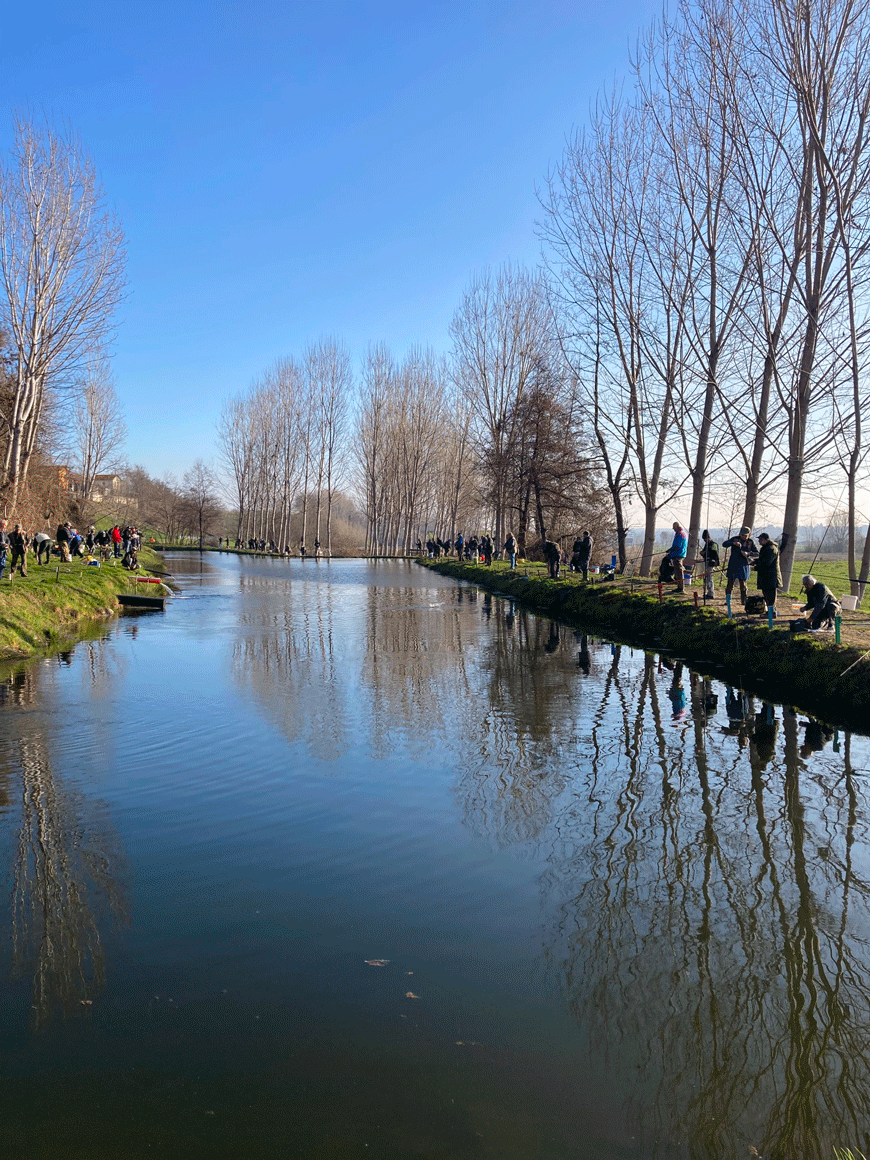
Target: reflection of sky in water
(634,901)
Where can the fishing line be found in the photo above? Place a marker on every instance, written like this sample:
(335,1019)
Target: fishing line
(828,528)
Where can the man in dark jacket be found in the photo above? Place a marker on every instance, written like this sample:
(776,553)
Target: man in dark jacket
(821,603)
(709,555)
(18,543)
(581,554)
(767,570)
(62,538)
(4,547)
(552,555)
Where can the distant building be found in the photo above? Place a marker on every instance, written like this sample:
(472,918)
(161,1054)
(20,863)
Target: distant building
(106,488)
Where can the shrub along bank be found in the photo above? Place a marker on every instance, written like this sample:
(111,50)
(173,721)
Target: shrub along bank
(795,668)
(56,604)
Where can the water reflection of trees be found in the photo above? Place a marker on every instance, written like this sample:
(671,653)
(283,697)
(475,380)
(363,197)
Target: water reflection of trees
(286,659)
(65,885)
(710,927)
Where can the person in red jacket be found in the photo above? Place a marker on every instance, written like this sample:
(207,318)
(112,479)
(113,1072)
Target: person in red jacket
(116,541)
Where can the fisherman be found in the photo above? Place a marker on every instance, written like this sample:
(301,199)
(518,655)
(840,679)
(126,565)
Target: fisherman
(18,543)
(768,571)
(552,555)
(581,554)
(743,552)
(709,555)
(42,545)
(677,555)
(510,547)
(821,604)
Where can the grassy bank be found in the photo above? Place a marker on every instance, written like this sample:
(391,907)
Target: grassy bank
(807,670)
(57,603)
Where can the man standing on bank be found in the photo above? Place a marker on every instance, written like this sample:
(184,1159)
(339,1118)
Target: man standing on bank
(18,543)
(582,554)
(677,554)
(709,554)
(768,571)
(552,555)
(743,552)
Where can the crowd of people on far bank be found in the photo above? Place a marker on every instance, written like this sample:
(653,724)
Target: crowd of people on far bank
(483,549)
(270,547)
(67,544)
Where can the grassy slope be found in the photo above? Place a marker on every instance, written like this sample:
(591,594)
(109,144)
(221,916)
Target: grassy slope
(54,602)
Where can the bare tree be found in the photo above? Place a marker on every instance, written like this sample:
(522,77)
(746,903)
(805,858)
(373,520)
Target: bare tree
(98,431)
(621,318)
(235,443)
(327,366)
(689,78)
(502,328)
(817,57)
(377,385)
(199,486)
(62,265)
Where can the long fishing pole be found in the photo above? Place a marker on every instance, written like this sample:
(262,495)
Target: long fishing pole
(828,528)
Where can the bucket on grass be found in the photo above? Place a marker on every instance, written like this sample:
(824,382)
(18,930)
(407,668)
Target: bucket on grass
(848,603)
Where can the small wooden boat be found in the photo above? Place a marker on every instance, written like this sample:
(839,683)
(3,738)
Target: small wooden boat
(135,600)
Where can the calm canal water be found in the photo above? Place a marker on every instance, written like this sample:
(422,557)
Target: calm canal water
(348,860)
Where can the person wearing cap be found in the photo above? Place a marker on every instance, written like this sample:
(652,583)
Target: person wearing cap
(743,552)
(677,554)
(769,576)
(821,603)
(709,555)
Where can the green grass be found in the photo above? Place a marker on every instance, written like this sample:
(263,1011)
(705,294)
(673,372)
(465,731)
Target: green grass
(831,570)
(55,603)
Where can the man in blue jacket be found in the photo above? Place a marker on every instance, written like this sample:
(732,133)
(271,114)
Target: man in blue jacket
(678,554)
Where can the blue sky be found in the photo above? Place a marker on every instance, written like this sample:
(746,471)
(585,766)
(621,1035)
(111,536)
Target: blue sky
(288,170)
